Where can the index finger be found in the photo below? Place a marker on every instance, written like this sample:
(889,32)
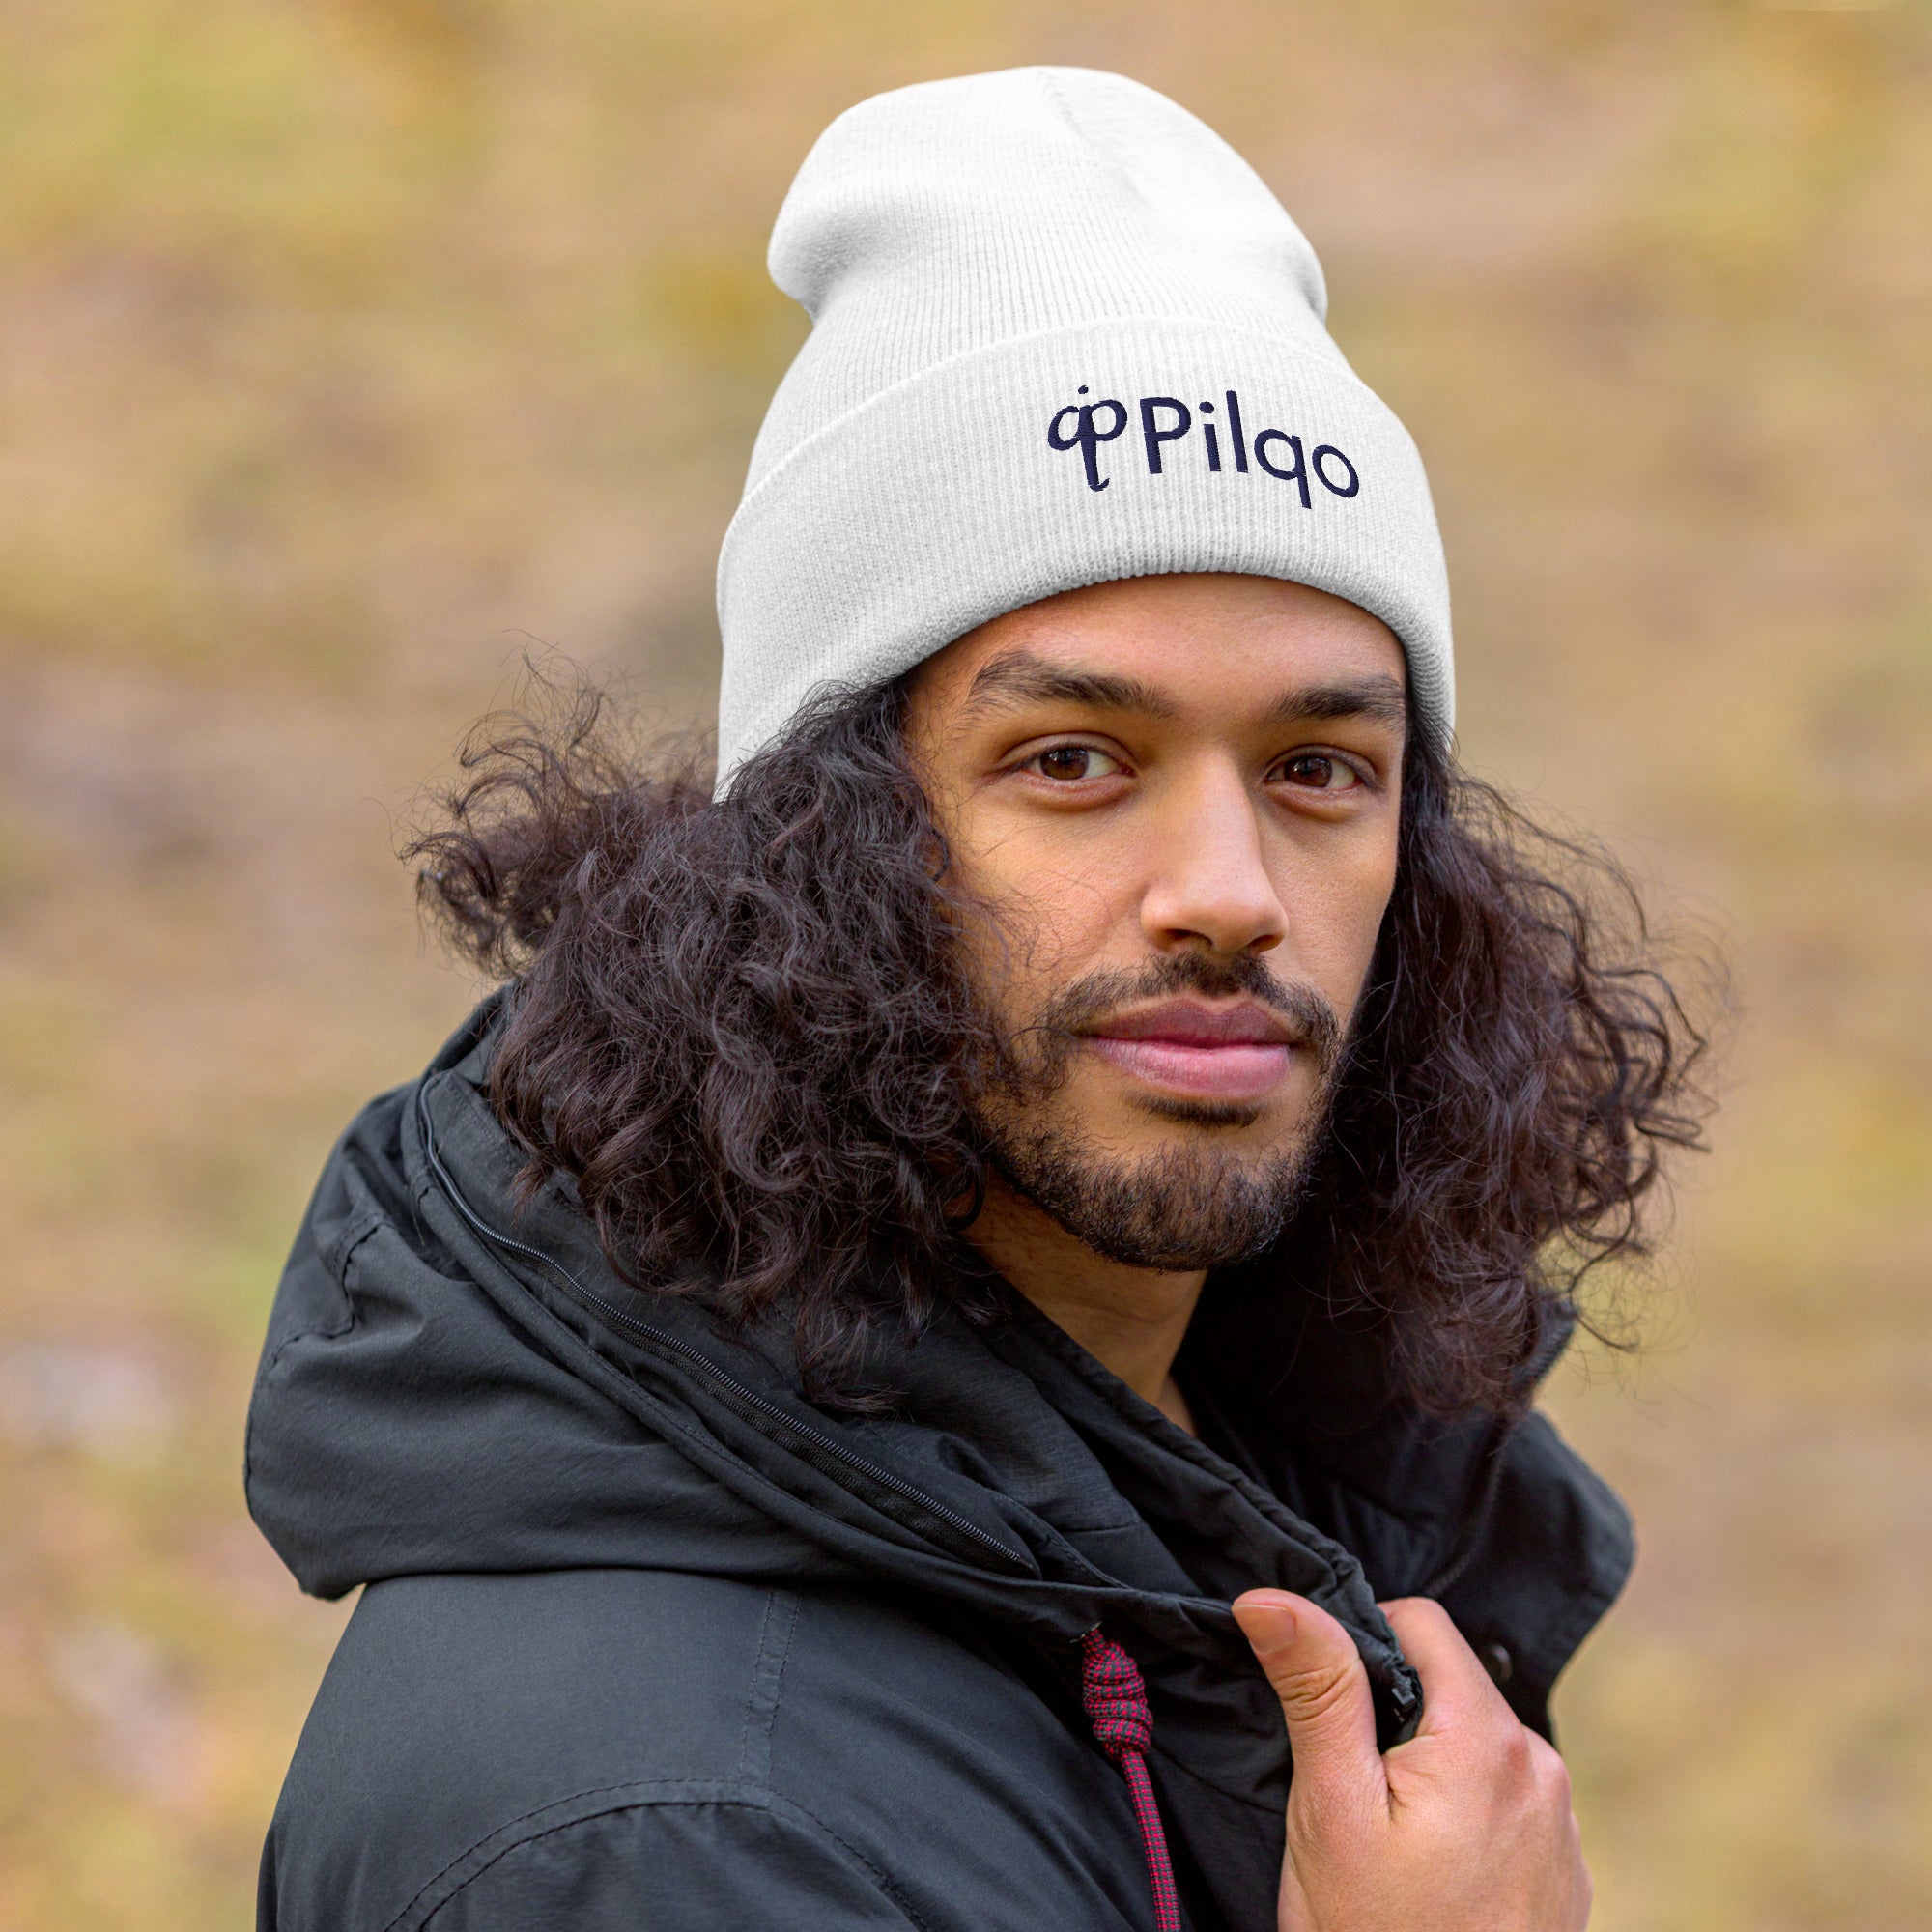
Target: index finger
(1456,1689)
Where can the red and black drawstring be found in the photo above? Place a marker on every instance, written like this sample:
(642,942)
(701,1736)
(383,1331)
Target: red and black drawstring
(1112,1689)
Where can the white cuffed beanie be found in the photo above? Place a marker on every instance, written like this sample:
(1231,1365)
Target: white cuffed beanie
(1063,333)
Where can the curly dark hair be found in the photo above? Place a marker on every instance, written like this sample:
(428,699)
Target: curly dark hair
(741,1027)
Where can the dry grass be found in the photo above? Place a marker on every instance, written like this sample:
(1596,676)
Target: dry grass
(349,345)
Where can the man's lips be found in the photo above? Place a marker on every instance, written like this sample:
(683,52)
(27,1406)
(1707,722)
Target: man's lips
(1216,1053)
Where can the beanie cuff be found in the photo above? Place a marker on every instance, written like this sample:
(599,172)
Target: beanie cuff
(1046,463)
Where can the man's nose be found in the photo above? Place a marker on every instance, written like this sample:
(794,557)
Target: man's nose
(1209,883)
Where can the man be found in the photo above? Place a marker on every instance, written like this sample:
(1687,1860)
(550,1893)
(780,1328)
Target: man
(880,1381)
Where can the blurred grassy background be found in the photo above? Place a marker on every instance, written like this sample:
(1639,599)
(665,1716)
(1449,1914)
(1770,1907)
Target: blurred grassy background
(350,344)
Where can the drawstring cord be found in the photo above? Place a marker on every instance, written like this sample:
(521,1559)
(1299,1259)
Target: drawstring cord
(1114,1695)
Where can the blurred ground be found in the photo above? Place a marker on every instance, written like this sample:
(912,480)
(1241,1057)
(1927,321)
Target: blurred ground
(350,344)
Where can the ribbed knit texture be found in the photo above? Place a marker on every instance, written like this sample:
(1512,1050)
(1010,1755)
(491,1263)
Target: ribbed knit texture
(1123,1724)
(983,259)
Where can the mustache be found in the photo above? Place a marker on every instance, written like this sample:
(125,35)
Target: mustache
(1075,1008)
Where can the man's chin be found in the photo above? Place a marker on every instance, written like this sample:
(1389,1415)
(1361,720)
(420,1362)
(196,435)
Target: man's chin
(1177,1208)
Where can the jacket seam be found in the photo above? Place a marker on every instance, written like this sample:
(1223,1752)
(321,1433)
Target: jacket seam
(356,1230)
(510,1825)
(779,1805)
(738,1796)
(761,1706)
(335,1260)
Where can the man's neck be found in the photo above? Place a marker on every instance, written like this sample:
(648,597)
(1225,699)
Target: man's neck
(1130,1319)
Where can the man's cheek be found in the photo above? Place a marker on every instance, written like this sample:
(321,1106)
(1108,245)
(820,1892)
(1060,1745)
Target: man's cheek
(1043,948)
(1354,931)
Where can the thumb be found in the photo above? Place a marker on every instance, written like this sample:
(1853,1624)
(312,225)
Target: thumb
(1312,1662)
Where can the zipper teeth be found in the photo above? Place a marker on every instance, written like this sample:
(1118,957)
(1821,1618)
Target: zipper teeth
(664,1339)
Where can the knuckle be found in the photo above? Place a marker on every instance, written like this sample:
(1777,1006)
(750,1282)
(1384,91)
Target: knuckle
(1515,1754)
(1548,1770)
(1416,1611)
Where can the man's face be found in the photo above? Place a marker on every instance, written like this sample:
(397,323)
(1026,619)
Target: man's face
(1179,798)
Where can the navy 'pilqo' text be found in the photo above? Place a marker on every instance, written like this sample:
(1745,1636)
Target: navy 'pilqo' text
(1165,423)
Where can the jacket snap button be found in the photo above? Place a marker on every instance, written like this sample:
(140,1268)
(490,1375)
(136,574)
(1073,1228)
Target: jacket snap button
(1497,1661)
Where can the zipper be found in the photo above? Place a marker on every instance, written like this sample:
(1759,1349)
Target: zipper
(663,1338)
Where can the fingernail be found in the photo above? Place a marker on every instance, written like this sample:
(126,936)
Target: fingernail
(1274,1611)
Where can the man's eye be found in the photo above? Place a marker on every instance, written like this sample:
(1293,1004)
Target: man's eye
(1071,762)
(1316,771)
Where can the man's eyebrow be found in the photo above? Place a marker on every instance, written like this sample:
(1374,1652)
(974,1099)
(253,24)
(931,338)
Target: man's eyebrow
(1018,677)
(1381,697)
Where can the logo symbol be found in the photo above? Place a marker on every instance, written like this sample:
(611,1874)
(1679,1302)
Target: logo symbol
(1087,435)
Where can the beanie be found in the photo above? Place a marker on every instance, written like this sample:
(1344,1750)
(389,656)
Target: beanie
(1061,334)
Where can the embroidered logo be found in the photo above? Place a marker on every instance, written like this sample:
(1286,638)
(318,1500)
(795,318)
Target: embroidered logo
(1167,419)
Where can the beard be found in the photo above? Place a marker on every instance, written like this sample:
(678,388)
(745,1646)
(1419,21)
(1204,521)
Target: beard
(1200,1203)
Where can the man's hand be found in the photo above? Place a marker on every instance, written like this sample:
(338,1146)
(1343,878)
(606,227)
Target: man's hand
(1467,1828)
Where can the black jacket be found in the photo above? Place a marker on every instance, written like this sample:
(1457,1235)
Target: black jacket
(650,1641)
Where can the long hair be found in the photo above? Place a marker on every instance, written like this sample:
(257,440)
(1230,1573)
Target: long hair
(742,1028)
